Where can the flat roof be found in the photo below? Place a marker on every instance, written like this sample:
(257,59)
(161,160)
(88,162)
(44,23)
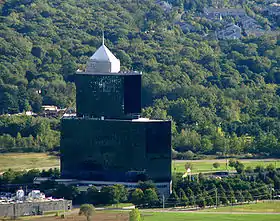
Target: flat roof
(132,120)
(83,72)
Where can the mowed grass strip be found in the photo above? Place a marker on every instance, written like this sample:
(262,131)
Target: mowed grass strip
(260,207)
(26,161)
(202,166)
(166,216)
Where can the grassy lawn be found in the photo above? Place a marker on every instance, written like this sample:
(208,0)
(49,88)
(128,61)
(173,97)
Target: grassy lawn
(25,161)
(22,161)
(261,207)
(207,217)
(202,166)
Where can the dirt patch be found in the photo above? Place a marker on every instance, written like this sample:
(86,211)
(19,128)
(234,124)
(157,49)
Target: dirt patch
(99,216)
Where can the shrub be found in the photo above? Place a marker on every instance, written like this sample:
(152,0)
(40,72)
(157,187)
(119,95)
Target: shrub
(189,155)
(216,165)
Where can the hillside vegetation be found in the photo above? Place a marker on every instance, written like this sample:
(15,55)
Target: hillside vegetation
(222,95)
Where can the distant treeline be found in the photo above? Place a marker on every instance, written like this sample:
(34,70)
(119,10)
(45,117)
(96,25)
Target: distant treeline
(37,134)
(28,134)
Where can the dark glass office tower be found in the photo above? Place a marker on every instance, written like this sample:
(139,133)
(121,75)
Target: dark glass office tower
(108,141)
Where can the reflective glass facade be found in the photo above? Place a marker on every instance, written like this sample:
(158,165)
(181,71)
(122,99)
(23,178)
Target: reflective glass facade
(116,150)
(106,141)
(112,96)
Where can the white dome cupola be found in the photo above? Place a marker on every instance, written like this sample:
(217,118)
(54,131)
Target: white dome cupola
(103,61)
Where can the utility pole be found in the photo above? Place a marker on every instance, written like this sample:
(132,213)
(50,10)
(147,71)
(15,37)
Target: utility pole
(216,196)
(163,199)
(270,191)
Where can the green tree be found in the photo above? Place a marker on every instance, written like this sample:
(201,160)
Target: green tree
(120,193)
(222,195)
(173,199)
(208,199)
(19,141)
(190,196)
(232,163)
(216,165)
(8,176)
(151,197)
(146,185)
(239,167)
(67,192)
(247,196)
(137,196)
(108,195)
(92,195)
(87,210)
(239,196)
(201,202)
(231,196)
(134,215)
(7,142)
(183,198)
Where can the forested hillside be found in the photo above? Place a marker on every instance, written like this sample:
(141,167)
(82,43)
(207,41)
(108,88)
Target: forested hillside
(222,95)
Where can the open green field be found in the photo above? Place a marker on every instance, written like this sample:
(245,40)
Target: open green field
(260,207)
(25,161)
(206,217)
(264,212)
(202,166)
(160,216)
(22,161)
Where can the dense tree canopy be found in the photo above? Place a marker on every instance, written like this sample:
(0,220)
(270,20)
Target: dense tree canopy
(222,95)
